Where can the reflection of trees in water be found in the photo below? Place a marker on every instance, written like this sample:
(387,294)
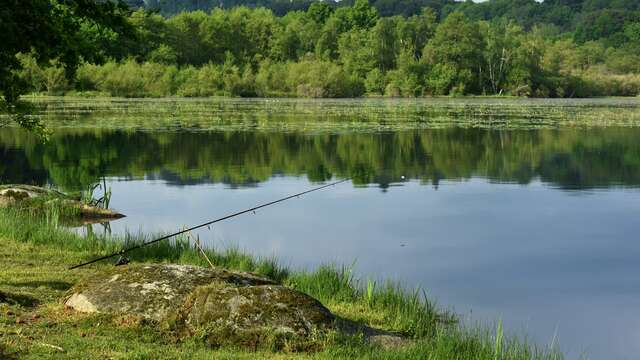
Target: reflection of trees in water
(15,167)
(568,158)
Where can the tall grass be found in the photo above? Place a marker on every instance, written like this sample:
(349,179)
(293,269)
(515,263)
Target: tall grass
(407,311)
(28,226)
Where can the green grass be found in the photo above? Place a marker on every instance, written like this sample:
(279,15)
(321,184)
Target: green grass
(36,253)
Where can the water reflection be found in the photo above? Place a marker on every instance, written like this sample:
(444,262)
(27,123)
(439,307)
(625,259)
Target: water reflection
(568,158)
(543,261)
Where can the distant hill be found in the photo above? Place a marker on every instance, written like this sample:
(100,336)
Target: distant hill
(586,19)
(281,7)
(172,7)
(565,14)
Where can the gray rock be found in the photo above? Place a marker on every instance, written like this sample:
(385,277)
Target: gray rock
(151,291)
(224,307)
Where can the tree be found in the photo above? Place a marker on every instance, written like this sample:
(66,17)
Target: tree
(51,30)
(190,32)
(355,51)
(327,44)
(151,40)
(601,24)
(416,31)
(285,43)
(501,53)
(320,12)
(632,32)
(456,52)
(384,42)
(363,15)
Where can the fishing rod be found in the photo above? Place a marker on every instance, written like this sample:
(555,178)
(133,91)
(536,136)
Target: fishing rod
(143,244)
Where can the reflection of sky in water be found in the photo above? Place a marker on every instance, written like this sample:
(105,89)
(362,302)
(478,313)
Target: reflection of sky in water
(540,259)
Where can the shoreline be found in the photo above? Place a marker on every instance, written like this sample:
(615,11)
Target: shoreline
(76,95)
(32,298)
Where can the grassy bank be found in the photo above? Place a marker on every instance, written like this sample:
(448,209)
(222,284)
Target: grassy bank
(36,252)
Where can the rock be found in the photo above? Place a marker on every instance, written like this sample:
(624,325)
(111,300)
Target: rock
(224,307)
(10,194)
(92,214)
(20,192)
(6,201)
(250,315)
(13,194)
(152,290)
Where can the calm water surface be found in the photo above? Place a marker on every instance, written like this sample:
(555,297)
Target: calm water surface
(526,212)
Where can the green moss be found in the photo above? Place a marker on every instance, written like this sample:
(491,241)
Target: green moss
(16,195)
(261,316)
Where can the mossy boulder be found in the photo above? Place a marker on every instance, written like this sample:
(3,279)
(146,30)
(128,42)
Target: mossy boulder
(223,307)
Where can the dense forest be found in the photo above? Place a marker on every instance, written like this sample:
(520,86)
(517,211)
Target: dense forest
(557,48)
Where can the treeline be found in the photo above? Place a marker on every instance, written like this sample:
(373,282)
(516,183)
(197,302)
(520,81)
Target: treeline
(351,51)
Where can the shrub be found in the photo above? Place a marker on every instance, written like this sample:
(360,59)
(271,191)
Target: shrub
(322,79)
(271,79)
(31,73)
(122,79)
(375,82)
(55,80)
(205,81)
(157,79)
(441,79)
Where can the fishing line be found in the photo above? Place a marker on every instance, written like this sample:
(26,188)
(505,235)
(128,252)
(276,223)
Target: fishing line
(253,209)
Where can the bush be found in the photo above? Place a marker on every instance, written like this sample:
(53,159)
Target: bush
(271,80)
(404,83)
(157,79)
(623,61)
(236,83)
(322,79)
(88,76)
(205,81)
(375,82)
(55,79)
(129,79)
(599,83)
(31,73)
(121,79)
(441,79)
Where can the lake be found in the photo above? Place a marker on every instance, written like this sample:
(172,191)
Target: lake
(520,211)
